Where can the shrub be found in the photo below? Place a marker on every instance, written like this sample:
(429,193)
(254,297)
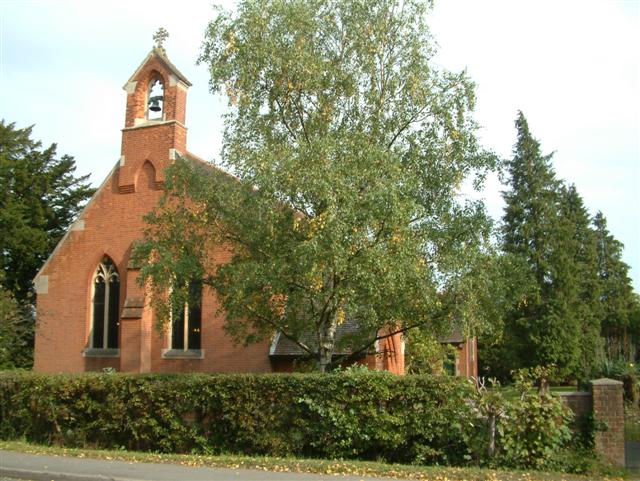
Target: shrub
(623,370)
(364,415)
(536,424)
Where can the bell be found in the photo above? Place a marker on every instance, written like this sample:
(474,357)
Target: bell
(154,103)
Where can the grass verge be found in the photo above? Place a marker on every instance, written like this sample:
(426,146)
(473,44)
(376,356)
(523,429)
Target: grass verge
(330,467)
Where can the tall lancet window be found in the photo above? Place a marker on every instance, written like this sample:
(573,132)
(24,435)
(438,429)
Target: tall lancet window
(155,99)
(106,302)
(186,321)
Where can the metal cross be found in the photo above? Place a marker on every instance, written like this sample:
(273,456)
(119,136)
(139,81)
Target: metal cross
(159,37)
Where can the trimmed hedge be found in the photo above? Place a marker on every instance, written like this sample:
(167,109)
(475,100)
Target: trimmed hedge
(346,415)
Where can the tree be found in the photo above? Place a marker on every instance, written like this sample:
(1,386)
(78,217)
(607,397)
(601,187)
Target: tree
(539,227)
(535,327)
(16,332)
(619,304)
(350,148)
(557,317)
(39,197)
(580,248)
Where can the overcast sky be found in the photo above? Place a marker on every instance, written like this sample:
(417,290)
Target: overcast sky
(572,67)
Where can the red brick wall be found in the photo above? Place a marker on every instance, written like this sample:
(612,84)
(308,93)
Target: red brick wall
(578,402)
(112,222)
(467,358)
(606,403)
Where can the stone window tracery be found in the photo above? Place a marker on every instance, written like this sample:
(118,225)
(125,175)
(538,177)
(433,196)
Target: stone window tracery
(105,300)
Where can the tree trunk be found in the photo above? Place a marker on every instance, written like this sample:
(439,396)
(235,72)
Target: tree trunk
(324,359)
(492,435)
(326,341)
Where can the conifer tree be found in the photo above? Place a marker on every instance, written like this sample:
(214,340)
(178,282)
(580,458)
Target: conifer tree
(39,197)
(543,327)
(580,249)
(618,300)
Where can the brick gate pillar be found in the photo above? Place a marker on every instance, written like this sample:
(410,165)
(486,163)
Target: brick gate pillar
(608,409)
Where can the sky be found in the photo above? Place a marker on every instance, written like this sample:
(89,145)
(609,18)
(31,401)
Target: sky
(572,67)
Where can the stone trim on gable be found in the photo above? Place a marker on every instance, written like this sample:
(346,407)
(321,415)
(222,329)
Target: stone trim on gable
(79,218)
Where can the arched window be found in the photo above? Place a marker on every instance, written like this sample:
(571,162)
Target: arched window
(155,99)
(105,319)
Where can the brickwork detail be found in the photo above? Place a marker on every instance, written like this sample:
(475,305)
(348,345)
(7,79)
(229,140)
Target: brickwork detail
(606,403)
(608,408)
(578,402)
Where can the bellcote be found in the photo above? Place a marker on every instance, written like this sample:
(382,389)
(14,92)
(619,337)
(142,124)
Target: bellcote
(156,92)
(154,133)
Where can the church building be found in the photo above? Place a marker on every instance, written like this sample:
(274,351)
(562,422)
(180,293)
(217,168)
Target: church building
(91,312)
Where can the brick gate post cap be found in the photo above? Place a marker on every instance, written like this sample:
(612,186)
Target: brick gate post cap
(606,382)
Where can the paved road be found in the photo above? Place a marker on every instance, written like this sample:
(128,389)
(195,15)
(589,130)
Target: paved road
(632,455)
(54,468)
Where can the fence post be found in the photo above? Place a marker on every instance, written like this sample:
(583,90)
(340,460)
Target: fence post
(608,409)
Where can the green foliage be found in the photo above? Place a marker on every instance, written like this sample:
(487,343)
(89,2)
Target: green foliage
(625,371)
(584,300)
(558,310)
(489,407)
(424,354)
(351,415)
(39,197)
(632,422)
(350,147)
(620,306)
(584,461)
(526,428)
(536,427)
(16,332)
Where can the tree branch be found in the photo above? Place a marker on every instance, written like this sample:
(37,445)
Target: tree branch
(279,329)
(405,126)
(284,121)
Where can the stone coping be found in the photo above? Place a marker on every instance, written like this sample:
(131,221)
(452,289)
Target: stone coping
(572,393)
(606,382)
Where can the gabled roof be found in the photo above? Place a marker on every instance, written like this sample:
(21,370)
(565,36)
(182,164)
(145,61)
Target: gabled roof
(161,55)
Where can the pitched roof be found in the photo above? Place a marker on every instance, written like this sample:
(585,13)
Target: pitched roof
(284,347)
(161,55)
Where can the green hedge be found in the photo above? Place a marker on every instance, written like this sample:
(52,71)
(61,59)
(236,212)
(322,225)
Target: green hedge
(346,415)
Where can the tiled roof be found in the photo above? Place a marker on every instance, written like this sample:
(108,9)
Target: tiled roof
(282,346)
(455,337)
